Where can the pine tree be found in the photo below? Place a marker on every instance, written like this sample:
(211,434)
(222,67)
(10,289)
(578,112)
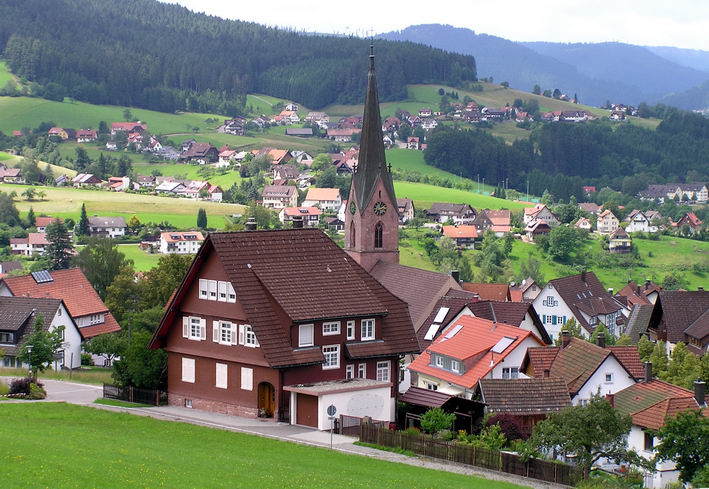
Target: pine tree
(60,248)
(83,229)
(31,218)
(201,218)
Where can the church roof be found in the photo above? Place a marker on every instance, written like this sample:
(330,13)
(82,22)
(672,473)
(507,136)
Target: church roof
(372,162)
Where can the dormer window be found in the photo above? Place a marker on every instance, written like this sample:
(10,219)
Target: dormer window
(455,366)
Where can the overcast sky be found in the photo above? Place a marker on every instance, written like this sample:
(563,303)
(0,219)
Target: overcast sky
(681,23)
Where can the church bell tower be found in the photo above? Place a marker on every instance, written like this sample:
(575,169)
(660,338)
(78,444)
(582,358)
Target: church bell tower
(372,216)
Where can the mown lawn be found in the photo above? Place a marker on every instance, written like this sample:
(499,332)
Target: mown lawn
(189,172)
(424,195)
(6,156)
(66,202)
(101,449)
(5,75)
(142,260)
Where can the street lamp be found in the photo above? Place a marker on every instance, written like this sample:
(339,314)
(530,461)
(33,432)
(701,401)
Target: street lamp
(29,355)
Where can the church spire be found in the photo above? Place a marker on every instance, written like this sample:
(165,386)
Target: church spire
(372,162)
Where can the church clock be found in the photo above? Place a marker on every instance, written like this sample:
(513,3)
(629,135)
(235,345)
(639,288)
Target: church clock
(380,208)
(353,208)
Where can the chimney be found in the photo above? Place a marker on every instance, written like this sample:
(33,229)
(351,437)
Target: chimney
(610,290)
(648,371)
(700,289)
(583,276)
(611,399)
(601,340)
(297,222)
(251,224)
(700,392)
(565,339)
(647,283)
(547,372)
(456,275)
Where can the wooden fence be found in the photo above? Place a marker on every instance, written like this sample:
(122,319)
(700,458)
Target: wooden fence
(466,454)
(153,397)
(350,425)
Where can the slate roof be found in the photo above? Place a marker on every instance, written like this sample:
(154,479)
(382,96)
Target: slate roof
(524,396)
(14,311)
(638,321)
(278,191)
(679,310)
(455,301)
(424,397)
(445,208)
(489,292)
(277,291)
(107,222)
(420,289)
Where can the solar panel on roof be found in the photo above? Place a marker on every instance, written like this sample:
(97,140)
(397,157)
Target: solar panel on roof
(43,276)
(450,334)
(502,345)
(440,316)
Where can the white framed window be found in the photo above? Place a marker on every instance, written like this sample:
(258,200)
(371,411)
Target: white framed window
(305,335)
(349,371)
(510,372)
(188,370)
(194,328)
(432,386)
(221,375)
(367,329)
(332,357)
(249,336)
(439,361)
(350,330)
(362,371)
(224,333)
(221,288)
(203,288)
(7,338)
(383,371)
(212,286)
(455,366)
(247,378)
(331,328)
(230,293)
(609,378)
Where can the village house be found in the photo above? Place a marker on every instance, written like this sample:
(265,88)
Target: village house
(464,236)
(307,216)
(591,207)
(201,153)
(128,127)
(236,127)
(86,135)
(650,403)
(413,142)
(9,266)
(11,175)
(61,134)
(119,184)
(574,116)
(107,227)
(301,132)
(334,224)
(41,222)
(327,199)
(583,298)
(180,242)
(488,292)
(169,186)
(526,291)
(468,350)
(540,212)
(633,293)
(639,222)
(587,369)
(584,224)
(86,180)
(620,242)
(406,210)
(279,196)
(429,123)
(18,316)
(689,222)
(500,221)
(275,156)
(226,157)
(456,213)
(607,223)
(681,316)
(83,303)
(285,172)
(319,118)
(342,135)
(536,228)
(33,244)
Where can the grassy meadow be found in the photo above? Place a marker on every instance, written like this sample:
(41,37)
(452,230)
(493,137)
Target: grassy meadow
(142,260)
(137,451)
(425,195)
(181,213)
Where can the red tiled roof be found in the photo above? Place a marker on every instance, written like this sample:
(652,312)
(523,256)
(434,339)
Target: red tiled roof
(541,359)
(489,292)
(110,325)
(630,358)
(462,231)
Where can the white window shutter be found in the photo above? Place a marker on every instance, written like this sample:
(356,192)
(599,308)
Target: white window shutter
(234,337)
(215,332)
(185,327)
(241,334)
(203,329)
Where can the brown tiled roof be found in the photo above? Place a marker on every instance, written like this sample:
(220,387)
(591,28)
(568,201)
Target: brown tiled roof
(278,191)
(524,396)
(654,417)
(15,311)
(424,397)
(580,291)
(541,359)
(638,321)
(680,309)
(455,301)
(420,289)
(699,328)
(489,292)
(509,313)
(277,291)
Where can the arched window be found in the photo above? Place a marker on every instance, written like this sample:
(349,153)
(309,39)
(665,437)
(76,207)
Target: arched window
(378,235)
(352,235)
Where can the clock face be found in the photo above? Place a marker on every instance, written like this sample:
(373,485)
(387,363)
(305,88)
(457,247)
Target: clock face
(380,208)
(353,208)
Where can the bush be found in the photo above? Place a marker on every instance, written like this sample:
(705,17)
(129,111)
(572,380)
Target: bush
(4,389)
(435,420)
(20,387)
(86,359)
(510,426)
(36,392)
(701,478)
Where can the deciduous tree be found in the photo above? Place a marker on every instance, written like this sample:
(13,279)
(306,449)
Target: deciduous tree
(684,439)
(39,348)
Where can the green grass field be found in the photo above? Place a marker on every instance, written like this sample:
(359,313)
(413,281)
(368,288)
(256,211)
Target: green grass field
(6,156)
(56,170)
(115,450)
(181,213)
(86,375)
(424,195)
(189,172)
(5,75)
(142,260)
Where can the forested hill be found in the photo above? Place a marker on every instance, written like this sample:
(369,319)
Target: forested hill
(150,54)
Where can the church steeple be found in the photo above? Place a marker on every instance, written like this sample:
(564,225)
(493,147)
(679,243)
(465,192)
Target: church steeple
(372,161)
(372,216)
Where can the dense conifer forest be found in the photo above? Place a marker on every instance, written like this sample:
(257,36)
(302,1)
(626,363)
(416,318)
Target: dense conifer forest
(164,57)
(563,157)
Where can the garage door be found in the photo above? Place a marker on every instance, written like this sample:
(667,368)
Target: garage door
(307,410)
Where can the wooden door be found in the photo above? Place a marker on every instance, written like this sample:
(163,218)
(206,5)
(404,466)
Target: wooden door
(307,410)
(266,399)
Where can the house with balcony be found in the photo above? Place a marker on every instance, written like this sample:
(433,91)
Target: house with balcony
(107,227)
(180,242)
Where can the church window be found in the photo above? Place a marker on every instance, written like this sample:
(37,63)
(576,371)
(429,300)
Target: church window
(352,235)
(378,235)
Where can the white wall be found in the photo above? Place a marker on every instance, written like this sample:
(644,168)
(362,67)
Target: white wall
(560,310)
(514,359)
(72,339)
(376,403)
(666,472)
(597,384)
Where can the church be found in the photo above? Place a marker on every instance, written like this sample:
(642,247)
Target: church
(281,324)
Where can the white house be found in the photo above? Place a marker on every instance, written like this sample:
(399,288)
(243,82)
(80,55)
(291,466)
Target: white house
(327,199)
(607,223)
(17,320)
(107,227)
(279,196)
(33,244)
(583,298)
(540,212)
(639,222)
(181,242)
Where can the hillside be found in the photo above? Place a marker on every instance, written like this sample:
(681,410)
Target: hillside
(692,58)
(155,55)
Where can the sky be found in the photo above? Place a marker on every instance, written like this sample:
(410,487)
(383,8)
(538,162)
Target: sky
(679,23)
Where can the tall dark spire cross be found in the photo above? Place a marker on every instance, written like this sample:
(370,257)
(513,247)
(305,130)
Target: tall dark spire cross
(371,165)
